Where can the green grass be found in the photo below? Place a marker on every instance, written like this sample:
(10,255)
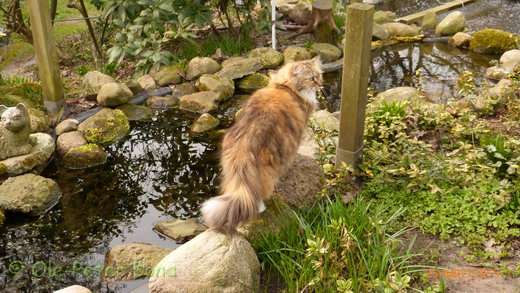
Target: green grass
(230,46)
(334,247)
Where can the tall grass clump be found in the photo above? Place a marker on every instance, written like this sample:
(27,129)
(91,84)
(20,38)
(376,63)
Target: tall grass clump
(333,247)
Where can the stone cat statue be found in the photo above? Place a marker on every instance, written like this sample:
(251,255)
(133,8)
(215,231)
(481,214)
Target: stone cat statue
(15,128)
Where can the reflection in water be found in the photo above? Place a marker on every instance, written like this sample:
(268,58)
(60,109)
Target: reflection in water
(397,65)
(159,173)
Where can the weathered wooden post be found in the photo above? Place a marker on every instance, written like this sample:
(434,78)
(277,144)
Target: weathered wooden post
(354,85)
(46,55)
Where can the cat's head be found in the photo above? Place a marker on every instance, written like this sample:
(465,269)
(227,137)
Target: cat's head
(14,118)
(300,75)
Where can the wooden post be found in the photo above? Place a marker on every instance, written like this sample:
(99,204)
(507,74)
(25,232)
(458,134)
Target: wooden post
(46,55)
(354,85)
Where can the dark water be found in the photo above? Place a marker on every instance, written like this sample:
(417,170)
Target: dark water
(161,172)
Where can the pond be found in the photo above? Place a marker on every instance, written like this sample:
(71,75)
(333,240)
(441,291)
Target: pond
(161,172)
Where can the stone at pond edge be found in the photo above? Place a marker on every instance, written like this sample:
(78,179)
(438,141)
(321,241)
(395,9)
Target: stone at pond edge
(224,86)
(379,32)
(147,82)
(135,112)
(105,127)
(270,57)
(69,140)
(162,102)
(453,23)
(253,82)
(40,122)
(29,193)
(292,54)
(460,40)
(41,151)
(94,80)
(496,72)
(131,261)
(381,17)
(205,122)
(327,52)
(201,65)
(241,67)
(183,89)
(496,95)
(180,230)
(114,94)
(509,60)
(492,41)
(134,86)
(67,125)
(399,94)
(74,289)
(201,102)
(211,262)
(396,29)
(168,76)
(85,156)
(429,20)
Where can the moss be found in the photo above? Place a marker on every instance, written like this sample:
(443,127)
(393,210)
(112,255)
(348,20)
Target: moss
(409,39)
(85,156)
(90,147)
(492,41)
(3,168)
(2,217)
(110,131)
(377,44)
(206,122)
(253,82)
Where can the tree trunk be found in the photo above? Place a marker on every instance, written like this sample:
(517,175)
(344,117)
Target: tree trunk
(322,23)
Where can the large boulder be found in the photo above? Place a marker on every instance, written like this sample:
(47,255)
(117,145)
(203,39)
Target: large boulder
(270,57)
(510,60)
(492,41)
(327,52)
(105,127)
(68,141)
(135,112)
(83,157)
(253,82)
(460,40)
(131,261)
(36,160)
(147,82)
(205,122)
(241,67)
(211,262)
(293,53)
(381,17)
(453,23)
(201,65)
(224,86)
(396,29)
(180,230)
(201,102)
(29,193)
(94,80)
(114,94)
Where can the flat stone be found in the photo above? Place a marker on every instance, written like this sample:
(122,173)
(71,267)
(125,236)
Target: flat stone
(183,89)
(292,54)
(69,140)
(135,112)
(201,102)
(180,230)
(241,68)
(131,261)
(40,152)
(168,77)
(162,102)
(29,193)
(396,29)
(147,82)
(205,122)
(270,57)
(105,127)
(83,157)
(224,86)
(201,65)
(253,82)
(496,72)
(67,125)
(327,52)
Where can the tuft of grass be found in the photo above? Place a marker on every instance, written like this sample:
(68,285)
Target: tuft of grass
(332,246)
(230,46)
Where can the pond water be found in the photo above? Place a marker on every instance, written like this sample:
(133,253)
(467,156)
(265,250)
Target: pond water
(161,172)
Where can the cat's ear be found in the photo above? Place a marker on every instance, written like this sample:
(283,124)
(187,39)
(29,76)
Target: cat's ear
(2,109)
(21,107)
(298,68)
(317,61)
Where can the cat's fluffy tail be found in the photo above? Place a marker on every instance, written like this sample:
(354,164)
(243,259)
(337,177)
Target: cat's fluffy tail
(225,212)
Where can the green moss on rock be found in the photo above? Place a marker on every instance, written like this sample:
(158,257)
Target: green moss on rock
(492,41)
(3,168)
(85,156)
(2,217)
(253,82)
(105,127)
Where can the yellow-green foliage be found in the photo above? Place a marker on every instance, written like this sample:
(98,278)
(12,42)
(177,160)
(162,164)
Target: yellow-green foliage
(492,41)
(2,217)
(3,168)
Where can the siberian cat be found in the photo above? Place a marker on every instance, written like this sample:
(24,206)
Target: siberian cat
(15,128)
(263,143)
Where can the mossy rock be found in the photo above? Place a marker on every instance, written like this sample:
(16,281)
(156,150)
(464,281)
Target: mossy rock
(222,85)
(3,168)
(492,41)
(85,156)
(105,127)
(206,122)
(253,82)
(270,57)
(2,217)
(136,113)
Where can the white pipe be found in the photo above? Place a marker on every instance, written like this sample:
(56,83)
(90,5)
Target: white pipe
(273,21)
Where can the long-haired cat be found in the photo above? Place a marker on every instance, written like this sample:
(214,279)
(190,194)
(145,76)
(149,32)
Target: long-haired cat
(263,143)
